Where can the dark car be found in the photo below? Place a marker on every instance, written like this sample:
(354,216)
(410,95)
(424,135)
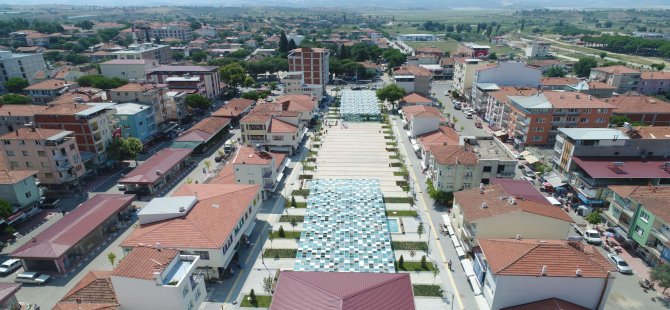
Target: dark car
(50,203)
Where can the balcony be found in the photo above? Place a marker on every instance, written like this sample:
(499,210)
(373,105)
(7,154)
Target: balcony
(661,234)
(624,207)
(267,173)
(64,166)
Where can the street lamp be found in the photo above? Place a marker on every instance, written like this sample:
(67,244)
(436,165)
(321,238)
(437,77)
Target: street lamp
(452,298)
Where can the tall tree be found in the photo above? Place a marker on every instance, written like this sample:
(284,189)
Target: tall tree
(583,67)
(661,274)
(283,42)
(234,75)
(198,102)
(292,45)
(392,93)
(16,85)
(555,71)
(5,209)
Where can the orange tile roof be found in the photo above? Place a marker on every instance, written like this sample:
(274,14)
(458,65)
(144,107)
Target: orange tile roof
(631,103)
(210,125)
(21,109)
(225,176)
(415,98)
(617,70)
(15,176)
(207,225)
(247,155)
(296,103)
(93,291)
(415,70)
(454,155)
(413,111)
(47,85)
(565,100)
(559,81)
(279,126)
(31,134)
(548,304)
(527,257)
(443,136)
(471,201)
(138,87)
(501,95)
(143,261)
(64,108)
(651,75)
(234,108)
(648,132)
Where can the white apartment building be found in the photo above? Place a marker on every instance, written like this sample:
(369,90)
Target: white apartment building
(147,51)
(274,131)
(18,65)
(251,166)
(509,73)
(208,220)
(464,75)
(153,95)
(537,49)
(172,31)
(175,106)
(158,278)
(52,152)
(294,84)
(132,70)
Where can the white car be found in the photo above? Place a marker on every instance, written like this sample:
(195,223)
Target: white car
(468,115)
(32,278)
(620,264)
(9,266)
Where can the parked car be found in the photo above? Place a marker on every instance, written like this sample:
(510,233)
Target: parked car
(620,264)
(9,266)
(528,173)
(32,278)
(50,203)
(478,125)
(457,107)
(468,115)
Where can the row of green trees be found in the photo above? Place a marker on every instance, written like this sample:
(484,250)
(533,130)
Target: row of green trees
(630,45)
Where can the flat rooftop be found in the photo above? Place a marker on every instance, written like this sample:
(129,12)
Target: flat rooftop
(490,149)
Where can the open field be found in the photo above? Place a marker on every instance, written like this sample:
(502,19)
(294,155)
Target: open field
(449,45)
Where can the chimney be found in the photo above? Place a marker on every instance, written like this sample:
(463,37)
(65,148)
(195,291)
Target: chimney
(484,205)
(158,277)
(511,200)
(544,270)
(518,237)
(17,132)
(158,246)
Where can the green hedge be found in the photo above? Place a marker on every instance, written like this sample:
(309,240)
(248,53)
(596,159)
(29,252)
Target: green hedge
(396,165)
(409,245)
(280,253)
(262,301)
(427,290)
(414,266)
(288,233)
(301,204)
(288,218)
(398,199)
(305,177)
(300,192)
(398,173)
(401,213)
(308,168)
(394,157)
(392,149)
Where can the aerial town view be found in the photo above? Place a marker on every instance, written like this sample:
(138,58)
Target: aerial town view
(307,155)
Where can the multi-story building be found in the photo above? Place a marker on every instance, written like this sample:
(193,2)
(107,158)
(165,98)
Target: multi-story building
(537,49)
(592,159)
(208,220)
(208,76)
(592,88)
(535,119)
(252,166)
(148,51)
(491,77)
(18,66)
(136,120)
(153,95)
(447,64)
(173,32)
(133,70)
(92,126)
(492,212)
(417,37)
(623,78)
(464,75)
(472,50)
(413,79)
(15,116)
(19,188)
(313,63)
(52,152)
(456,167)
(175,106)
(278,131)
(235,109)
(153,277)
(530,272)
(294,84)
(421,119)
(47,91)
(497,111)
(641,109)
(654,82)
(641,214)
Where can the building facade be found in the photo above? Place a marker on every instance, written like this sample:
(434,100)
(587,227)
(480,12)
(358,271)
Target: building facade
(136,120)
(22,66)
(313,63)
(148,51)
(132,70)
(623,78)
(208,76)
(537,49)
(153,95)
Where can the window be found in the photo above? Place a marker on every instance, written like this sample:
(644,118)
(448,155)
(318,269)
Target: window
(539,129)
(278,138)
(487,169)
(639,231)
(41,154)
(587,111)
(540,120)
(601,111)
(45,164)
(6,142)
(13,164)
(22,142)
(29,164)
(584,120)
(48,175)
(10,153)
(600,120)
(25,153)
(556,119)
(466,185)
(644,216)
(28,194)
(537,138)
(204,255)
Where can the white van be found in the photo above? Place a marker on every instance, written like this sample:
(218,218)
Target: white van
(9,266)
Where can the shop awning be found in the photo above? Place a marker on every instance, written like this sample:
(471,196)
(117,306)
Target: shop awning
(415,146)
(279,177)
(467,267)
(460,252)
(530,159)
(554,180)
(499,133)
(455,241)
(553,201)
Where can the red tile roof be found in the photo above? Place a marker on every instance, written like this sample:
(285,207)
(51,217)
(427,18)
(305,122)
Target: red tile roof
(8,290)
(234,108)
(454,155)
(279,126)
(93,291)
(162,161)
(526,257)
(415,98)
(248,156)
(566,100)
(413,111)
(548,304)
(47,85)
(143,261)
(631,103)
(633,167)
(648,132)
(15,176)
(21,109)
(296,103)
(58,238)
(31,134)
(415,70)
(617,70)
(520,188)
(142,87)
(651,75)
(207,225)
(225,176)
(501,95)
(204,130)
(471,201)
(343,290)
(443,136)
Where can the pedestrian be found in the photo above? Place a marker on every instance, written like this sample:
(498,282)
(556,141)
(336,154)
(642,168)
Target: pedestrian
(449,264)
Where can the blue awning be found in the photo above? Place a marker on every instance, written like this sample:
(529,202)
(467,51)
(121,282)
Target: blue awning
(588,201)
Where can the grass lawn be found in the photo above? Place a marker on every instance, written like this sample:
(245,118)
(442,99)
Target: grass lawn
(288,218)
(401,213)
(408,245)
(288,234)
(280,253)
(301,204)
(300,192)
(414,266)
(398,199)
(448,45)
(427,290)
(262,301)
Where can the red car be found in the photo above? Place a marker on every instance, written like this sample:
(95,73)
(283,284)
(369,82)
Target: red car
(478,124)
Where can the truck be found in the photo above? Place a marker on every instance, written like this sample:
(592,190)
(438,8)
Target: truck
(591,235)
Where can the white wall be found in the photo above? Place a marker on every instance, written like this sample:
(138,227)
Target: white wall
(407,86)
(528,225)
(130,72)
(516,290)
(421,125)
(510,73)
(146,294)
